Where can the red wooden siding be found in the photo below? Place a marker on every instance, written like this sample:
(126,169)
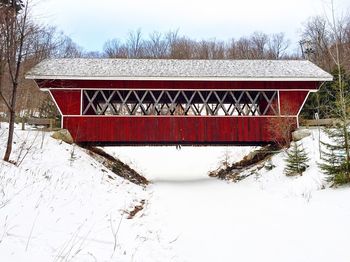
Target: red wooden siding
(291,101)
(68,101)
(167,129)
(196,85)
(196,130)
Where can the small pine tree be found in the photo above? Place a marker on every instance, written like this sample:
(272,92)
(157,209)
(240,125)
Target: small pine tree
(296,160)
(335,164)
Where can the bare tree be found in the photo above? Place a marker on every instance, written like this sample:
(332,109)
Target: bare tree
(217,49)
(203,50)
(171,37)
(135,44)
(277,46)
(259,43)
(209,49)
(231,49)
(115,49)
(23,44)
(317,34)
(157,46)
(69,49)
(182,48)
(243,49)
(15,28)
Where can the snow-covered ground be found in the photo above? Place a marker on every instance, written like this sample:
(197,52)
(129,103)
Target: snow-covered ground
(61,206)
(167,163)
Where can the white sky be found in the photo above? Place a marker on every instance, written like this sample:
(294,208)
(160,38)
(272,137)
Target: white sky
(91,22)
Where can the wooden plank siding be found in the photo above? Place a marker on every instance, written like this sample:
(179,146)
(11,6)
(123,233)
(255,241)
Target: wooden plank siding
(68,101)
(291,101)
(169,129)
(154,129)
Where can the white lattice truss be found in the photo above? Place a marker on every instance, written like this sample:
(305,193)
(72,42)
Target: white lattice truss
(179,102)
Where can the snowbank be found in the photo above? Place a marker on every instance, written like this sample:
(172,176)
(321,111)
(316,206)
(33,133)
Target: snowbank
(60,205)
(265,217)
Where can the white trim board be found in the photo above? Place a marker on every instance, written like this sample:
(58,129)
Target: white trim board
(145,78)
(177,89)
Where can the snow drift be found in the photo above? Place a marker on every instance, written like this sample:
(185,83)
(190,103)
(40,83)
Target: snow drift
(60,204)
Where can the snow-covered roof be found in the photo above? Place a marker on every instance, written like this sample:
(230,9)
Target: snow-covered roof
(169,69)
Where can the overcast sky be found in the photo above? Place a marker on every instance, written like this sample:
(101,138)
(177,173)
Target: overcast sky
(91,22)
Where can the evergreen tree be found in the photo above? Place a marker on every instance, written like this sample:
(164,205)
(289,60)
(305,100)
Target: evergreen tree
(324,101)
(336,153)
(336,164)
(296,160)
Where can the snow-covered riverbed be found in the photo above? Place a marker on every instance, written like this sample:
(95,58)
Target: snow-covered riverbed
(60,205)
(266,217)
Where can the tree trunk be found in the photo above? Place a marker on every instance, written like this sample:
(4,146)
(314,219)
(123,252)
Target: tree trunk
(11,122)
(14,77)
(346,140)
(10,136)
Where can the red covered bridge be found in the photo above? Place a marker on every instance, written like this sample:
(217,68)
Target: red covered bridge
(147,101)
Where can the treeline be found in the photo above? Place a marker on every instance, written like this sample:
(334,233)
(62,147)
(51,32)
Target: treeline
(322,38)
(171,45)
(317,43)
(327,44)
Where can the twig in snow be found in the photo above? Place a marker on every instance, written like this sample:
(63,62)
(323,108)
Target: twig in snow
(73,156)
(80,248)
(115,232)
(174,240)
(5,230)
(92,255)
(75,242)
(63,254)
(19,160)
(21,148)
(31,231)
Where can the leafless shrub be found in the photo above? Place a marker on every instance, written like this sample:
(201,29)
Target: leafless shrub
(25,148)
(73,246)
(280,129)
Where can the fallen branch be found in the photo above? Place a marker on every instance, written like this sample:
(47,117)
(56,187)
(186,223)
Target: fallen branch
(117,166)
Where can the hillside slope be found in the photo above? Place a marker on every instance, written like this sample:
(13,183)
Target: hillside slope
(60,204)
